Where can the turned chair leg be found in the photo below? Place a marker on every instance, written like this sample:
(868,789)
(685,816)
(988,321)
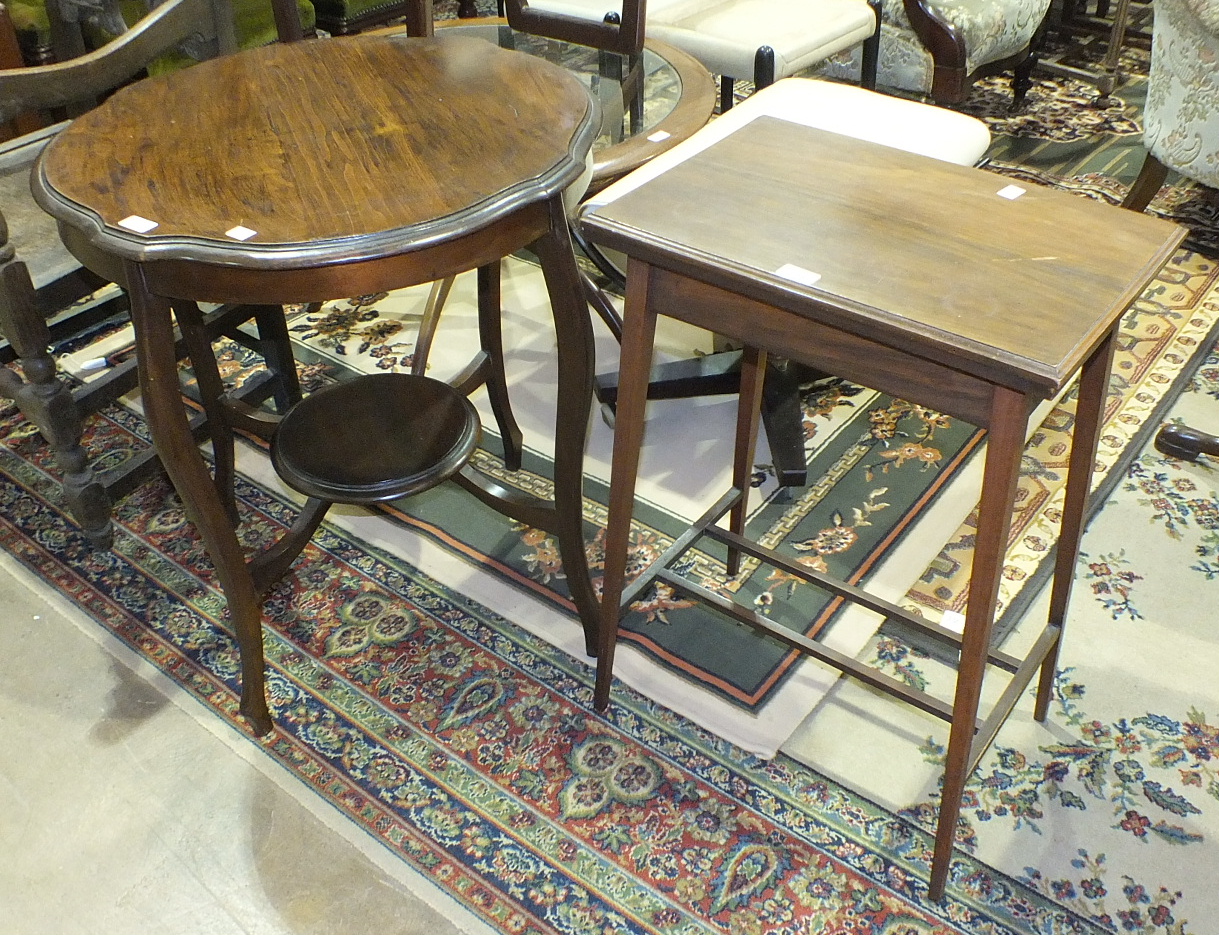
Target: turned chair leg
(46,400)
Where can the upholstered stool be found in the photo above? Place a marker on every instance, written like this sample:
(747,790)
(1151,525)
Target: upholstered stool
(758,40)
(839,108)
(765,40)
(343,17)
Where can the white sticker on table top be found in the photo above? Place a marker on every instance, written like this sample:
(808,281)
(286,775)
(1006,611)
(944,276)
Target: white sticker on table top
(240,233)
(659,136)
(138,224)
(954,621)
(1010,192)
(798,274)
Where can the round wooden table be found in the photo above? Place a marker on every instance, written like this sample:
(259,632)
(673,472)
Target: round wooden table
(302,172)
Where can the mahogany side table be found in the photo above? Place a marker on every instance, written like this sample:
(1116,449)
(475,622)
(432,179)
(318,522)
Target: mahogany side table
(940,284)
(315,170)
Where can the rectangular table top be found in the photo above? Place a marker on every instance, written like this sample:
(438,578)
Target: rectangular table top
(1013,284)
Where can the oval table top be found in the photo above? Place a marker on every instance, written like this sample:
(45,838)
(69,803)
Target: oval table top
(319,152)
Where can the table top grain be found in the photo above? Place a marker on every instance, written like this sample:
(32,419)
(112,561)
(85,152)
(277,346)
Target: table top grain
(319,151)
(932,259)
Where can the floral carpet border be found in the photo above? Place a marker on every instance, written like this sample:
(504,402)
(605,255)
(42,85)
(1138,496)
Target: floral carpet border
(1160,338)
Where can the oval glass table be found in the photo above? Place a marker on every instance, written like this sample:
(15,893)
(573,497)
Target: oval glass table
(649,103)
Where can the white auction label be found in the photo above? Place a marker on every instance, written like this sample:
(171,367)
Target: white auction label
(660,136)
(798,274)
(138,224)
(954,621)
(240,233)
(1011,192)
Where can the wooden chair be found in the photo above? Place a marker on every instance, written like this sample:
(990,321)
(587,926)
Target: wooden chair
(39,279)
(1181,116)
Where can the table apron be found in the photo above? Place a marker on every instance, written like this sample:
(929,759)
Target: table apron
(787,334)
(212,282)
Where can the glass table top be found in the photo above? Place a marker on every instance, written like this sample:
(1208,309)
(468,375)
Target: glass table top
(636,93)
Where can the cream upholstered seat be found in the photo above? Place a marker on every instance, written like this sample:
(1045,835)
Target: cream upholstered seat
(856,112)
(939,48)
(756,40)
(1181,117)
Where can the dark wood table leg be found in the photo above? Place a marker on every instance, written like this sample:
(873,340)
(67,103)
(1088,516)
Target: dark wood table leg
(170,428)
(1089,418)
(211,391)
(638,338)
(490,336)
(574,332)
(1004,450)
(745,443)
(275,345)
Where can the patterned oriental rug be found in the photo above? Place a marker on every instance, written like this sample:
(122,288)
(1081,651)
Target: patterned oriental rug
(464,741)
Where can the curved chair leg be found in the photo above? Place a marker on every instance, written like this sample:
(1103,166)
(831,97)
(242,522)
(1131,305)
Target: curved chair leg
(1181,441)
(1022,76)
(491,337)
(46,400)
(1151,178)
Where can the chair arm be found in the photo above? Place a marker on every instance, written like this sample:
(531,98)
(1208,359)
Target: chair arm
(57,85)
(1206,12)
(939,36)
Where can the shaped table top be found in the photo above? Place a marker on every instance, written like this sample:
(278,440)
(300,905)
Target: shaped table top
(319,151)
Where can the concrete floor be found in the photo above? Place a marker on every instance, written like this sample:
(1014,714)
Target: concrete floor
(127,808)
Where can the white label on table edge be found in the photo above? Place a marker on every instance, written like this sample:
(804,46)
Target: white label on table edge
(954,621)
(659,136)
(240,233)
(138,224)
(798,274)
(1010,192)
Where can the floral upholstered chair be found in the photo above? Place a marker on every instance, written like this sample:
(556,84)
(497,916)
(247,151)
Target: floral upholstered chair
(938,48)
(1181,132)
(1181,118)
